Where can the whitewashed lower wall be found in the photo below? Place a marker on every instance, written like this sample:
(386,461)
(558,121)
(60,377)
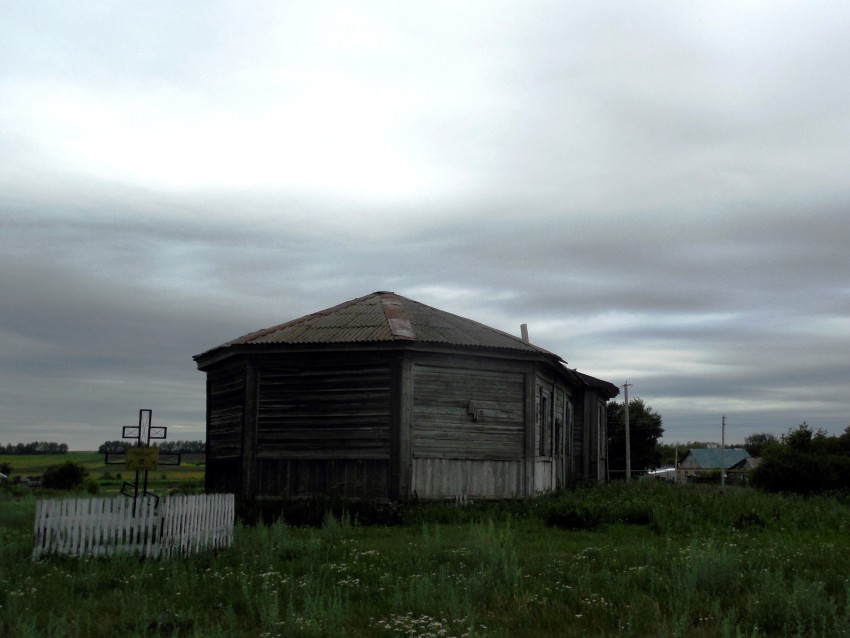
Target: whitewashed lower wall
(172,526)
(437,478)
(544,478)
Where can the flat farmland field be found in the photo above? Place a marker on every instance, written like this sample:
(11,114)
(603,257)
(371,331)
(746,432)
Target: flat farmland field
(35,464)
(188,476)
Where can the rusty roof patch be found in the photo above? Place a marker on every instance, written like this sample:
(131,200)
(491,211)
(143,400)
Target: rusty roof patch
(398,320)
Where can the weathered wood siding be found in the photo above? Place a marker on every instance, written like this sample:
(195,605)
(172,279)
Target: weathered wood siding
(468,431)
(467,413)
(349,478)
(563,434)
(435,478)
(551,428)
(325,413)
(225,401)
(544,432)
(578,455)
(543,403)
(596,437)
(324,428)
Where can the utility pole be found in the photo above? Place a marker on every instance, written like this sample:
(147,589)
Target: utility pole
(723,454)
(676,464)
(628,437)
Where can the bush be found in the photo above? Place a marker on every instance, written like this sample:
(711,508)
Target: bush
(806,461)
(92,486)
(786,469)
(66,476)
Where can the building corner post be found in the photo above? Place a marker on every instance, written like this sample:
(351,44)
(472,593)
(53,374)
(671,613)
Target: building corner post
(249,433)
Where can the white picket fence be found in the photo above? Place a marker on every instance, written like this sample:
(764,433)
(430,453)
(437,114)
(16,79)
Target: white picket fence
(176,526)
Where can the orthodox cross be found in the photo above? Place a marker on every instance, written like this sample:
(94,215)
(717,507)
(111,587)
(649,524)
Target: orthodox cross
(142,456)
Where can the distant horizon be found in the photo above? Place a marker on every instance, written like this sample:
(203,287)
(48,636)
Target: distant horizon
(661,441)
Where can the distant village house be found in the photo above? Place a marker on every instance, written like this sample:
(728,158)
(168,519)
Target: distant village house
(705,463)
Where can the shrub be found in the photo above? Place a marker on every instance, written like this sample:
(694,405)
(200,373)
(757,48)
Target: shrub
(92,486)
(788,469)
(66,476)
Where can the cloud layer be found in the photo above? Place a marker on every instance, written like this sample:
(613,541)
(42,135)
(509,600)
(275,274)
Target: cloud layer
(658,192)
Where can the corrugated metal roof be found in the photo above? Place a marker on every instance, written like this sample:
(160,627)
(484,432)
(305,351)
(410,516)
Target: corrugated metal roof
(711,457)
(607,389)
(385,316)
(749,463)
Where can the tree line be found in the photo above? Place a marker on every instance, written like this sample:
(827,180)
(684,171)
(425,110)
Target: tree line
(186,447)
(36,447)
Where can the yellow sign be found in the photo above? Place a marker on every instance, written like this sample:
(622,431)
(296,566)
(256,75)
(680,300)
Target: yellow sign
(142,458)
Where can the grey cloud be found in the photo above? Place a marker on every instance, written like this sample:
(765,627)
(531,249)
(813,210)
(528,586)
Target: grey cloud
(659,194)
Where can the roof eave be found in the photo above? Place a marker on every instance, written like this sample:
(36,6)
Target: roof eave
(215,355)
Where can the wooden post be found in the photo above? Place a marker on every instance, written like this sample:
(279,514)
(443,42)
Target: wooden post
(400,466)
(530,414)
(249,433)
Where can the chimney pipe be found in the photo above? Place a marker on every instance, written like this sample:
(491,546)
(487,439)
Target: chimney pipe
(524,332)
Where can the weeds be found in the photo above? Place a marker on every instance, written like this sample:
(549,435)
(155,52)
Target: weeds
(643,560)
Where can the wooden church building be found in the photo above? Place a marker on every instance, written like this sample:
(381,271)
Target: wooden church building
(385,397)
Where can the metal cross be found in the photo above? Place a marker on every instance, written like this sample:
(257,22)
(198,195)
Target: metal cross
(141,457)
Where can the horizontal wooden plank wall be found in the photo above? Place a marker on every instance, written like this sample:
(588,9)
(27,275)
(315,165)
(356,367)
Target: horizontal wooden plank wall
(324,429)
(349,478)
(225,400)
(468,431)
(225,410)
(330,413)
(443,426)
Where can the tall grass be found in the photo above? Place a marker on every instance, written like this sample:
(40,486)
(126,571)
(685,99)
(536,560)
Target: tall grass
(636,560)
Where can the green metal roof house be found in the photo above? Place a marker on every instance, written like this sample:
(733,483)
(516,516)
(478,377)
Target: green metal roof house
(703,461)
(712,458)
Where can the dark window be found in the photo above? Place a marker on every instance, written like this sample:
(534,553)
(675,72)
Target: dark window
(545,419)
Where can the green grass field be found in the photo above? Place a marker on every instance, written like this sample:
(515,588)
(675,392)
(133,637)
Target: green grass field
(37,463)
(638,560)
(189,475)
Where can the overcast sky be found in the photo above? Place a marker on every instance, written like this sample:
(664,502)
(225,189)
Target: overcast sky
(658,189)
